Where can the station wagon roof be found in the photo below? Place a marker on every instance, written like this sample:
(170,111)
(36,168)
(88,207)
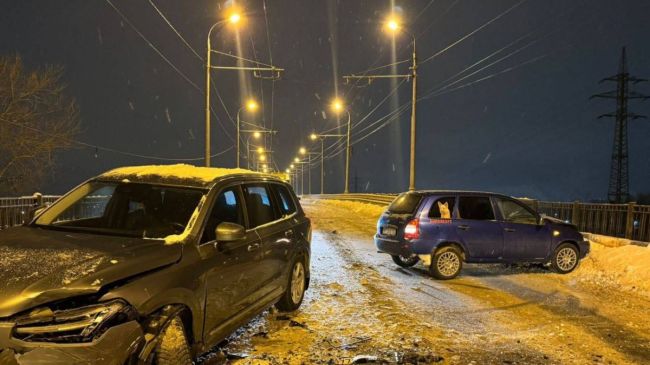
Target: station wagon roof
(458,192)
(179,174)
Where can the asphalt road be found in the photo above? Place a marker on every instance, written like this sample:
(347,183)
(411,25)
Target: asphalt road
(362,305)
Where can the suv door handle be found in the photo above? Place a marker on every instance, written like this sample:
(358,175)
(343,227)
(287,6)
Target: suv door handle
(464,227)
(509,229)
(253,247)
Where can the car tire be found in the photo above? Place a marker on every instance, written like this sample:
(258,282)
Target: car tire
(405,261)
(296,286)
(446,263)
(173,348)
(565,258)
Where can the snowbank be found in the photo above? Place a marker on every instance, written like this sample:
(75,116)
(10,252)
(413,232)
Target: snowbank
(367,210)
(611,241)
(623,267)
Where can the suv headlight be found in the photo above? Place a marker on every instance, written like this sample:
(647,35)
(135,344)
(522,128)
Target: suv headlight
(71,325)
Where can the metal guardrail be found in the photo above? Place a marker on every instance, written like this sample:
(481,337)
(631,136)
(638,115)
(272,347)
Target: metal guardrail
(20,210)
(631,221)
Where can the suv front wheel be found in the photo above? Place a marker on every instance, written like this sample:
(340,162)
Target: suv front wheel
(173,348)
(565,258)
(446,263)
(295,292)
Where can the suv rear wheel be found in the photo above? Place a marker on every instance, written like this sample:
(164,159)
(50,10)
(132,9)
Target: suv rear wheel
(405,261)
(565,258)
(293,296)
(446,263)
(173,348)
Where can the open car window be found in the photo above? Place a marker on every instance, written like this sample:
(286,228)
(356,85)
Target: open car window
(515,213)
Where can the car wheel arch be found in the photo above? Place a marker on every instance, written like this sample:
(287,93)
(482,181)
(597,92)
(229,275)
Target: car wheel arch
(159,320)
(450,244)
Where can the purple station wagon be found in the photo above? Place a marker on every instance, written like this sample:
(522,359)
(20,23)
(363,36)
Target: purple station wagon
(446,228)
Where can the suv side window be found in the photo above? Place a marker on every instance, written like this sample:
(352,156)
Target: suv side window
(226,208)
(475,208)
(442,208)
(285,200)
(515,213)
(259,205)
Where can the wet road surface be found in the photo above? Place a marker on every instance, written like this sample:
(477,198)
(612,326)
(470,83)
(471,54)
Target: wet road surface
(361,305)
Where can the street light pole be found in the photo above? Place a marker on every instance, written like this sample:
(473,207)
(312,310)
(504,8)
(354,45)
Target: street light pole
(413,102)
(322,137)
(347,159)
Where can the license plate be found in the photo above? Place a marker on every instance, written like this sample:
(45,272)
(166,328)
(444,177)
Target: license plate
(388,231)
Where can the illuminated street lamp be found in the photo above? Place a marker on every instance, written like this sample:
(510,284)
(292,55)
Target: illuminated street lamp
(234,17)
(322,137)
(338,107)
(251,106)
(393,26)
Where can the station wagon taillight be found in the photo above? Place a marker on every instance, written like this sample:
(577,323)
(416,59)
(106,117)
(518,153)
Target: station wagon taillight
(412,230)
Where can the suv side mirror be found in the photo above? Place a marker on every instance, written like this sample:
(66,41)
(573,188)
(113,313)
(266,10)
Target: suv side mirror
(229,232)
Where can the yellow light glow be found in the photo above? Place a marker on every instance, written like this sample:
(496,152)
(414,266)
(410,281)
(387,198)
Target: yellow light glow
(337,105)
(302,150)
(234,18)
(292,166)
(287,171)
(313,136)
(296,160)
(251,105)
(392,24)
(262,157)
(257,135)
(260,149)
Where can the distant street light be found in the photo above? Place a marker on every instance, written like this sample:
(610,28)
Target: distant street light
(339,107)
(251,106)
(322,137)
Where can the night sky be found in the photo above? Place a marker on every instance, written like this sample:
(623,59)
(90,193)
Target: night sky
(523,126)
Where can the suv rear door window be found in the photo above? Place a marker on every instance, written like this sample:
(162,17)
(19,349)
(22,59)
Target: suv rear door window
(476,208)
(287,205)
(442,208)
(405,203)
(259,205)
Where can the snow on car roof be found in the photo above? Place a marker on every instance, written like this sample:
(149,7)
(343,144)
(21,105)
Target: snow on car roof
(179,173)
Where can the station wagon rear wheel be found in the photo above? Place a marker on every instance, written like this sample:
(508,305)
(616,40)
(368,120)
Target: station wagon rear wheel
(295,292)
(446,263)
(565,258)
(405,261)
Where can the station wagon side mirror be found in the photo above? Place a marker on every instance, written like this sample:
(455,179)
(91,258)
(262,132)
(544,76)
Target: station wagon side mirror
(540,220)
(229,232)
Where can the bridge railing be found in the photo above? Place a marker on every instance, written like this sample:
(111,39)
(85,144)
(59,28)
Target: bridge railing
(15,211)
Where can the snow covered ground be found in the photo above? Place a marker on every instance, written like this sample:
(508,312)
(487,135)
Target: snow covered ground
(360,305)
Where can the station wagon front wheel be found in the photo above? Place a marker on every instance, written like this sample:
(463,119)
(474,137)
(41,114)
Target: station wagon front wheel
(405,261)
(565,258)
(446,263)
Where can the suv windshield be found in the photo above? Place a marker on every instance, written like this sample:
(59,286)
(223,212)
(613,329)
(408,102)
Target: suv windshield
(127,209)
(405,203)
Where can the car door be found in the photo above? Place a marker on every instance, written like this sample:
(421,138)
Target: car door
(523,237)
(230,267)
(478,229)
(280,245)
(263,218)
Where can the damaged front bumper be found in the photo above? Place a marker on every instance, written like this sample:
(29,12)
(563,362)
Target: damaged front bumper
(118,345)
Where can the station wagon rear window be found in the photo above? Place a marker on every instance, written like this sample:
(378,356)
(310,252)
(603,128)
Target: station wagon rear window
(405,203)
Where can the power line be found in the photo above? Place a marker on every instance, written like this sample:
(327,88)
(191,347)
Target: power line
(109,149)
(473,32)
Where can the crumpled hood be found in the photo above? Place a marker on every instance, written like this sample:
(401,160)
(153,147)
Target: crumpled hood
(38,265)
